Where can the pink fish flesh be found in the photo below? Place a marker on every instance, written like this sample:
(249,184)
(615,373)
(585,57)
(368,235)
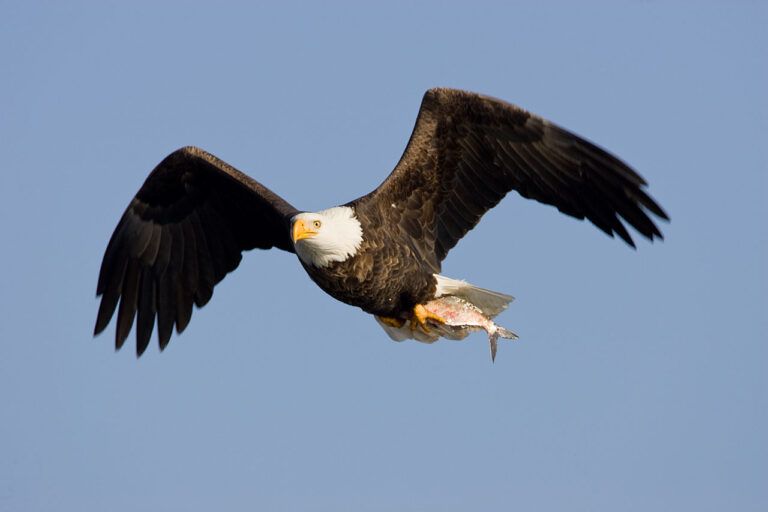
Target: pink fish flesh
(462,317)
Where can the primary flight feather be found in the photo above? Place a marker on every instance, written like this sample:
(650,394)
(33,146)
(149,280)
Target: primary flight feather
(194,215)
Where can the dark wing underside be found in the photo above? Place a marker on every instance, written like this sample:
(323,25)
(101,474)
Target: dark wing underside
(468,151)
(181,234)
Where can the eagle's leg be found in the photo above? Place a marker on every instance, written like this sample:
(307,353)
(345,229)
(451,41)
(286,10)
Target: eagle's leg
(392,321)
(420,317)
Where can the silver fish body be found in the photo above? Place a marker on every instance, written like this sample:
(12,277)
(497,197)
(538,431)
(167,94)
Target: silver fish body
(461,318)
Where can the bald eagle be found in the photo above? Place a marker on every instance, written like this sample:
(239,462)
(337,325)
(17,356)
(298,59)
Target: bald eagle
(194,215)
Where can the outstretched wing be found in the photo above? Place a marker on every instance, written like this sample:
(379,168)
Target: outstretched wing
(181,234)
(467,151)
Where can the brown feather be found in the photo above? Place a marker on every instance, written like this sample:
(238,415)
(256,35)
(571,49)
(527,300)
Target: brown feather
(182,233)
(467,151)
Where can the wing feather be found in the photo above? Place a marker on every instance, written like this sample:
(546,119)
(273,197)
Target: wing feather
(185,229)
(129,296)
(145,316)
(166,308)
(467,151)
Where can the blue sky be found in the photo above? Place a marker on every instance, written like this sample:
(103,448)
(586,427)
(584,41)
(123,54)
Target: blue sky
(638,382)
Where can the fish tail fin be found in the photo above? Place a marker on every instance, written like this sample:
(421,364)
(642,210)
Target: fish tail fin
(506,333)
(493,339)
(491,303)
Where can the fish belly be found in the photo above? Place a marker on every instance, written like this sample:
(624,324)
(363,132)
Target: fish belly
(461,319)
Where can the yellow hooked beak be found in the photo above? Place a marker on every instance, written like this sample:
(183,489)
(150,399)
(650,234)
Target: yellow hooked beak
(302,231)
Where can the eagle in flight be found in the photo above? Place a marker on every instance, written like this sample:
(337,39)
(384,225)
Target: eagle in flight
(189,223)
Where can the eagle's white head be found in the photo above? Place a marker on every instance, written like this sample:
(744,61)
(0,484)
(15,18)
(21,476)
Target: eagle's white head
(325,237)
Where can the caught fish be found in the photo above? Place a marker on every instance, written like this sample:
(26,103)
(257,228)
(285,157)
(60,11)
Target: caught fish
(461,318)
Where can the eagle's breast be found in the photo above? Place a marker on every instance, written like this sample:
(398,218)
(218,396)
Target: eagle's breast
(383,277)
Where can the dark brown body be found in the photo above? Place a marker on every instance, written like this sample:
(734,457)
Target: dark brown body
(381,278)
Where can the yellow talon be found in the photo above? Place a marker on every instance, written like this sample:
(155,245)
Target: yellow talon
(392,321)
(420,317)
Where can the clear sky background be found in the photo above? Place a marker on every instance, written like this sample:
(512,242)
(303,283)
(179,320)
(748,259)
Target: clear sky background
(639,380)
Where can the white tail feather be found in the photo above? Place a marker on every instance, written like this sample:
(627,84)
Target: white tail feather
(489,302)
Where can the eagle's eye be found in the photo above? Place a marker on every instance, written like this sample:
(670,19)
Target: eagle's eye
(317,224)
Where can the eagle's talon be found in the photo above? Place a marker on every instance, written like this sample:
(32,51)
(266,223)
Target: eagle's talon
(420,317)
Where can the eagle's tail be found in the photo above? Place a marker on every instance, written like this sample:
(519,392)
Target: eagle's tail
(489,302)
